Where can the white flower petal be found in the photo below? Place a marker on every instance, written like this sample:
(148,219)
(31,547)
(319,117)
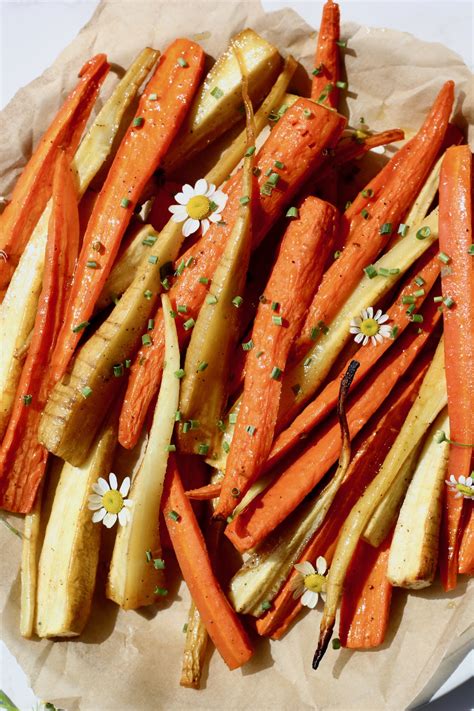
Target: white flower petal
(354,329)
(385,331)
(365,341)
(378,338)
(304,568)
(373,340)
(94,503)
(125,486)
(128,503)
(383,318)
(200,187)
(356,321)
(458,495)
(310,599)
(205,226)
(370,311)
(98,515)
(452,479)
(359,338)
(178,210)
(102,486)
(123,517)
(113,481)
(462,480)
(215,217)
(188,190)
(190,226)
(378,314)
(181,199)
(364,314)
(469,481)
(220,198)
(211,190)
(298,593)
(321,565)
(323,596)
(110,519)
(297,586)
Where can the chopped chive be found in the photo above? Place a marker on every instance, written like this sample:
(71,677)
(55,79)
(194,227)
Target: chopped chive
(471,249)
(368,192)
(173,314)
(148,556)
(296,389)
(148,294)
(165,283)
(266,189)
(163,592)
(256,171)
(384,272)
(277,320)
(153,97)
(260,353)
(278,164)
(323,327)
(365,214)
(292,212)
(138,121)
(185,627)
(275,305)
(174,515)
(232,418)
(314,333)
(336,643)
(153,259)
(348,204)
(417,318)
(341,43)
(244,200)
(394,332)
(189,324)
(177,416)
(250,429)
(27,399)
(203,448)
(170,448)
(118,370)
(237,301)
(371,271)
(419,292)
(80,326)
(226,447)
(151,324)
(182,308)
(221,425)
(408,299)
(235,492)
(182,62)
(247,346)
(250,151)
(411,309)
(203,280)
(146,340)
(125,202)
(341,84)
(86,391)
(191,259)
(337,254)
(159,563)
(317,70)
(266,605)
(180,268)
(128,363)
(437,299)
(276,372)
(179,373)
(273,179)
(449,302)
(202,366)
(308,361)
(186,427)
(149,241)
(307,113)
(423,233)
(217,93)
(394,270)
(268,172)
(402,229)
(97,245)
(211,299)
(282,110)
(443,257)
(92,264)
(386,228)
(419,281)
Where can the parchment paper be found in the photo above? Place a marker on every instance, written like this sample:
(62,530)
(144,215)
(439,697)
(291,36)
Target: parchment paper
(130,660)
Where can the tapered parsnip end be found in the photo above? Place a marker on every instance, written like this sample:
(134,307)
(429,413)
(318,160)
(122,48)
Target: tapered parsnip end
(29,569)
(194,650)
(325,634)
(133,580)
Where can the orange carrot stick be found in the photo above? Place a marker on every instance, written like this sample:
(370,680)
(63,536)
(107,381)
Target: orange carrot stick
(295,277)
(268,509)
(22,458)
(372,450)
(297,142)
(161,111)
(466,549)
(457,280)
(365,605)
(326,62)
(221,621)
(33,188)
(204,493)
(427,271)
(404,176)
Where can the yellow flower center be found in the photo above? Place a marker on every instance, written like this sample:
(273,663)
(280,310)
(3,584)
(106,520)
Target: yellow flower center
(315,582)
(466,490)
(112,501)
(369,327)
(198,207)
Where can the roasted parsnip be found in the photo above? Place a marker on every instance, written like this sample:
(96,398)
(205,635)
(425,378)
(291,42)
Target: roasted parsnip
(194,649)
(133,580)
(413,554)
(70,552)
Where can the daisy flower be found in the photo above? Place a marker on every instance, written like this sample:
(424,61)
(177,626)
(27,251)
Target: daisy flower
(370,326)
(198,206)
(310,582)
(108,502)
(464,487)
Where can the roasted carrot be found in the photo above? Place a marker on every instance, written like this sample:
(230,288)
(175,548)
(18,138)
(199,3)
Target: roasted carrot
(160,113)
(33,188)
(387,202)
(296,142)
(457,281)
(427,271)
(22,458)
(466,549)
(327,70)
(271,507)
(204,493)
(295,276)
(365,604)
(221,621)
(374,444)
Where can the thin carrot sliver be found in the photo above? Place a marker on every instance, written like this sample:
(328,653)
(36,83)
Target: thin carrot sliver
(327,71)
(222,623)
(466,549)
(457,281)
